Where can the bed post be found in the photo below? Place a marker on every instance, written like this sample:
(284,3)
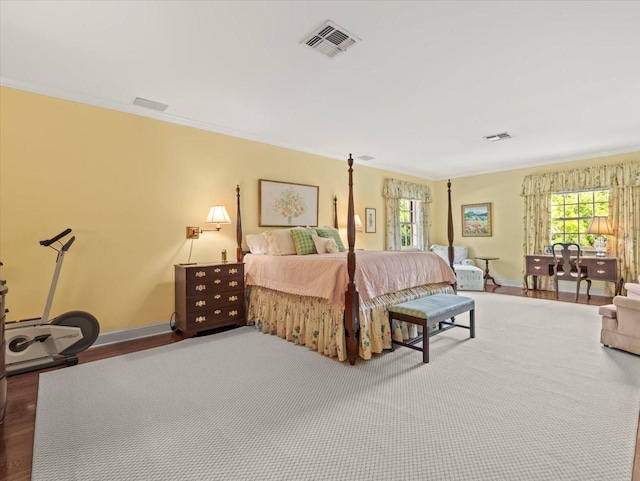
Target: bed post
(351,298)
(335,211)
(239,254)
(450,232)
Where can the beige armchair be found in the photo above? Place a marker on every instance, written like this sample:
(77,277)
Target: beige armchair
(621,324)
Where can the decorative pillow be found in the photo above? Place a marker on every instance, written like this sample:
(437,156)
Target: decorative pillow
(280,242)
(333,233)
(303,241)
(258,243)
(325,244)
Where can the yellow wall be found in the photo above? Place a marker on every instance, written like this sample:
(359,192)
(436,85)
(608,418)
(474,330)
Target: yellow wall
(502,189)
(128,186)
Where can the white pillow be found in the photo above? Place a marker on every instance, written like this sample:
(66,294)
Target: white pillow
(325,244)
(280,242)
(258,243)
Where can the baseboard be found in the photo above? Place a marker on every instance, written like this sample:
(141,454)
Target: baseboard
(133,333)
(565,286)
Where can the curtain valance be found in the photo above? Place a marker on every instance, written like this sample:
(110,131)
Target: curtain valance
(400,189)
(602,176)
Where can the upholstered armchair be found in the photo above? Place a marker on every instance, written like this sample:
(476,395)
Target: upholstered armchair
(470,277)
(621,321)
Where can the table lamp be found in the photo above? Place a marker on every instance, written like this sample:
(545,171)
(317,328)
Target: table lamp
(601,227)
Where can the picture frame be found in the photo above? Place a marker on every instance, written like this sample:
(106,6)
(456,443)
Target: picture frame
(476,220)
(369,220)
(286,204)
(548,250)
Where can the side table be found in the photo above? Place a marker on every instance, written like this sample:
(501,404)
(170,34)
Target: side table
(487,276)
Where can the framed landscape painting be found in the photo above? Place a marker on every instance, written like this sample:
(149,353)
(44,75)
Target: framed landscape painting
(476,220)
(283,204)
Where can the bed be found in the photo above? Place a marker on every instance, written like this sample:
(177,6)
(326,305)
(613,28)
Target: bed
(332,304)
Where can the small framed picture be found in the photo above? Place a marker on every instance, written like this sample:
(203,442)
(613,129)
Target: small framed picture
(476,220)
(370,220)
(548,250)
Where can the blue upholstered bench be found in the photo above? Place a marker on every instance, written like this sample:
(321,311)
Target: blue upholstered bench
(430,310)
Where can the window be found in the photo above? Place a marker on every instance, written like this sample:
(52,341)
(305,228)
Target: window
(408,223)
(571,213)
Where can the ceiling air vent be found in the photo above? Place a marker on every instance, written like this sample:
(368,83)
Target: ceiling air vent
(150,104)
(330,39)
(496,137)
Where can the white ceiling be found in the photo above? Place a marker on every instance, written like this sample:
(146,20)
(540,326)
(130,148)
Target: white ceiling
(427,82)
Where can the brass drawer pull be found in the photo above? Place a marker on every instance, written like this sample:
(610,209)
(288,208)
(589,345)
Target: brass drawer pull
(217,269)
(217,281)
(233,313)
(201,318)
(600,263)
(201,274)
(537,268)
(217,311)
(601,272)
(201,303)
(233,271)
(200,287)
(233,283)
(217,296)
(233,298)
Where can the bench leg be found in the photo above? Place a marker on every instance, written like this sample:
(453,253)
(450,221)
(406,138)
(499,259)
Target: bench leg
(472,323)
(425,345)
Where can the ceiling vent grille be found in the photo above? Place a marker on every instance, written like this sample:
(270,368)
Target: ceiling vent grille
(496,137)
(330,39)
(150,104)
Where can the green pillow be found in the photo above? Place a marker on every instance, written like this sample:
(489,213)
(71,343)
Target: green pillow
(332,233)
(303,241)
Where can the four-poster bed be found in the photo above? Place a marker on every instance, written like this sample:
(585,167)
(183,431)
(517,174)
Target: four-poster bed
(335,307)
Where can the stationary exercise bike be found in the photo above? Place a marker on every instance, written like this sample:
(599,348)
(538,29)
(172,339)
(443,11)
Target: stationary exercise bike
(39,343)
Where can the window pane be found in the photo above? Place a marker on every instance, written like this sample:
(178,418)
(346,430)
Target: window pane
(571,214)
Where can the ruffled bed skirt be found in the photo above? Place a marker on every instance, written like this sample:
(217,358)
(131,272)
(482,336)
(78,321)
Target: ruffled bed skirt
(314,323)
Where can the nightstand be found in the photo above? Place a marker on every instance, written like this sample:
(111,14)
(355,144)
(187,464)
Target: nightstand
(209,296)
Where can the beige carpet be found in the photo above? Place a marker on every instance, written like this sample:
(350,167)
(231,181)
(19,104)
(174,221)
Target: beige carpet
(533,397)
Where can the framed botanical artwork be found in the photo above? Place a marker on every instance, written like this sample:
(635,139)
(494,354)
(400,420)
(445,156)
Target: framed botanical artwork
(284,204)
(476,220)
(370,220)
(548,250)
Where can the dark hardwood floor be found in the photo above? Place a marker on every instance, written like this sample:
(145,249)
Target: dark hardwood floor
(16,434)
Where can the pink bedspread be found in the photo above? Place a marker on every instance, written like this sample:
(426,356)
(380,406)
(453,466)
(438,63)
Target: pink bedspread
(325,275)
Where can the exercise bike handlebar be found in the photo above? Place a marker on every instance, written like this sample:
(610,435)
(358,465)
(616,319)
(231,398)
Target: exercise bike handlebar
(65,247)
(48,242)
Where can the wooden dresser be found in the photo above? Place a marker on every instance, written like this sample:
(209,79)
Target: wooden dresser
(209,296)
(3,369)
(598,269)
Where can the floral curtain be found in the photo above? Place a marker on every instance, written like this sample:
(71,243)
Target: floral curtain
(623,182)
(394,190)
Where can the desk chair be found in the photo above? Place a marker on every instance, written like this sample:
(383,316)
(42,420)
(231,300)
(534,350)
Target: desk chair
(567,266)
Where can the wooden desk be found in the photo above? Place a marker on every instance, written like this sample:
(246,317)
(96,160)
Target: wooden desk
(598,269)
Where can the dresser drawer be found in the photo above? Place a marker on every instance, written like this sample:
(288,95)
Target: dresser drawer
(214,316)
(204,274)
(213,300)
(213,285)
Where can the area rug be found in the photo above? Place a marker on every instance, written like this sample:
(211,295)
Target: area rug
(533,397)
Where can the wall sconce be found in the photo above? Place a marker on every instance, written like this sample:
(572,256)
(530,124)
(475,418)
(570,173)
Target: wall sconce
(217,215)
(600,226)
(357,222)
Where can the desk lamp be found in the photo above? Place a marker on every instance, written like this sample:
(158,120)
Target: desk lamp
(600,226)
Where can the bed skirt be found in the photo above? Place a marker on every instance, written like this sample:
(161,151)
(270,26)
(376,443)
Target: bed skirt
(315,323)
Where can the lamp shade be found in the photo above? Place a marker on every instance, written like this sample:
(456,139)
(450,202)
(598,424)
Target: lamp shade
(600,226)
(357,221)
(218,215)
